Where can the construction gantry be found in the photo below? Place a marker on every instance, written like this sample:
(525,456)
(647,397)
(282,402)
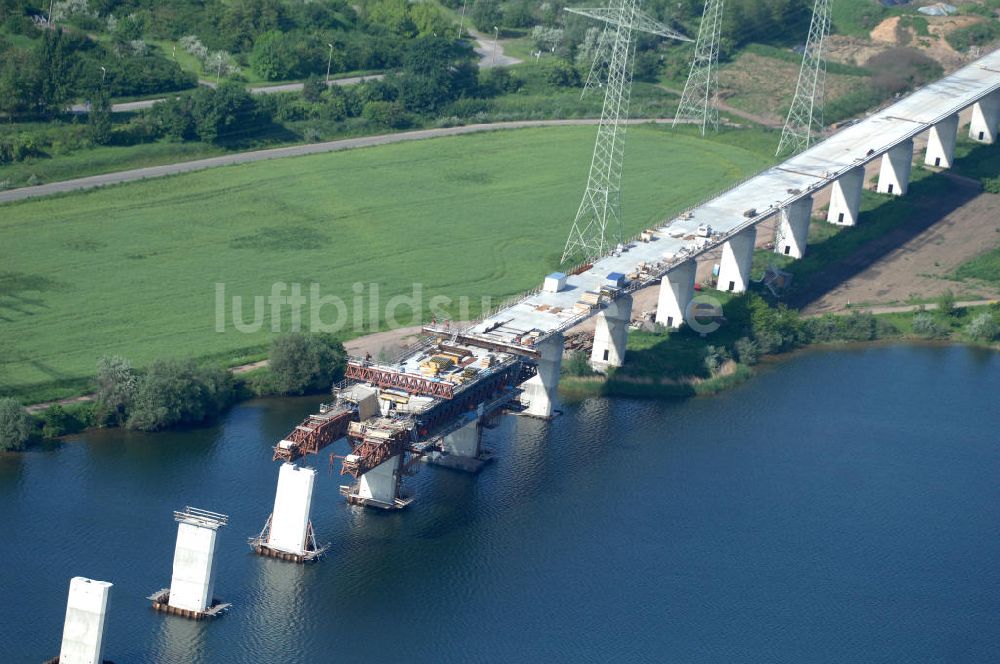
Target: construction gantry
(698,101)
(806,112)
(601,204)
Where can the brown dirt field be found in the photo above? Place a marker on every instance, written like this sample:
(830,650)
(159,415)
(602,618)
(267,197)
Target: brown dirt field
(912,262)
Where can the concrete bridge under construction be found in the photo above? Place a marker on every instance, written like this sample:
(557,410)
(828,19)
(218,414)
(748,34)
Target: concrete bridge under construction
(432,402)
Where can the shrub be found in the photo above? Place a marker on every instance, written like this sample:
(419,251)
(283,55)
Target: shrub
(926,326)
(983,327)
(177,392)
(116,388)
(747,351)
(578,364)
(59,421)
(302,363)
(946,303)
(16,426)
(715,357)
(977,34)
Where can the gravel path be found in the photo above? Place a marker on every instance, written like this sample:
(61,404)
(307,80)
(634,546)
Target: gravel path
(278,153)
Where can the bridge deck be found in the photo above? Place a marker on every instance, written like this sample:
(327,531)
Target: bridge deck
(766,193)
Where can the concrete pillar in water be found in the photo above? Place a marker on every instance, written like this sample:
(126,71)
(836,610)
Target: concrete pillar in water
(941,142)
(793,229)
(289,530)
(193,582)
(894,176)
(611,334)
(676,291)
(539,391)
(381,483)
(737,257)
(845,197)
(464,442)
(985,117)
(83,631)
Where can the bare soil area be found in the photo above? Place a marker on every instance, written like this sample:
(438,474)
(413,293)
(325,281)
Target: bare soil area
(913,262)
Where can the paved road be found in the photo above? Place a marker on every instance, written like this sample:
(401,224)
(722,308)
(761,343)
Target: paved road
(278,153)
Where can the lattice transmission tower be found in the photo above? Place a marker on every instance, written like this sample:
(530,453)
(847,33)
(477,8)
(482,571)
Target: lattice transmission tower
(701,91)
(601,204)
(806,112)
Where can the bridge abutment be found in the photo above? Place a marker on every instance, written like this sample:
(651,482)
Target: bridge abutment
(737,257)
(794,228)
(539,391)
(611,334)
(985,118)
(894,176)
(676,291)
(845,197)
(941,142)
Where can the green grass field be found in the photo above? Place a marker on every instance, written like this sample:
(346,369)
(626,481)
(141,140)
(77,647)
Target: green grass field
(132,269)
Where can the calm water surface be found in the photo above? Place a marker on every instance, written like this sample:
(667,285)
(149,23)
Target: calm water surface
(842,507)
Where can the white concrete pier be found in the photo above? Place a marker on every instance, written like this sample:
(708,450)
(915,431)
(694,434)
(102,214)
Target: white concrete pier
(83,630)
(380,485)
(737,257)
(985,118)
(793,230)
(941,142)
(539,391)
(289,530)
(611,334)
(676,291)
(465,441)
(894,175)
(845,197)
(193,581)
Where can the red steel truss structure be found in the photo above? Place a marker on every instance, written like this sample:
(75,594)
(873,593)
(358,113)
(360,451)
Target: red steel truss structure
(402,381)
(315,433)
(373,443)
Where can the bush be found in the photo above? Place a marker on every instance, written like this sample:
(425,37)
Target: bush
(59,421)
(946,303)
(116,389)
(983,327)
(385,114)
(16,426)
(977,34)
(715,357)
(177,392)
(926,326)
(747,351)
(302,363)
(578,364)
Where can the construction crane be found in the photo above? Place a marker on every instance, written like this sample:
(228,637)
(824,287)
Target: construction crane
(806,112)
(697,103)
(601,204)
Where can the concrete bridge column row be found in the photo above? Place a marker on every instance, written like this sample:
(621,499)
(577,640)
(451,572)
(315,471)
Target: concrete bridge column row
(941,143)
(985,118)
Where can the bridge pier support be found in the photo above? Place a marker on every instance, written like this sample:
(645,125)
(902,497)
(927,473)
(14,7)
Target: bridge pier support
(894,176)
(289,530)
(676,291)
(83,630)
(379,487)
(794,228)
(462,449)
(737,257)
(539,391)
(985,117)
(941,142)
(611,334)
(845,197)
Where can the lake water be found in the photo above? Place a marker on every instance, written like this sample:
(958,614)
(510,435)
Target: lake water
(843,506)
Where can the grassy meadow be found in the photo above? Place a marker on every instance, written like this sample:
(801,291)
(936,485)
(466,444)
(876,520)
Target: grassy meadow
(132,269)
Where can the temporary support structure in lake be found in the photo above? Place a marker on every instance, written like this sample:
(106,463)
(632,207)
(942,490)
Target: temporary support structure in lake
(193,582)
(288,534)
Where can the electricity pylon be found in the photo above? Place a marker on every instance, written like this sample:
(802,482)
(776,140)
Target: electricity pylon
(702,87)
(806,112)
(595,79)
(601,204)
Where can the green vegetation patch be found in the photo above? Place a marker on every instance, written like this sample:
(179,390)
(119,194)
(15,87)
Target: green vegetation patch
(132,270)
